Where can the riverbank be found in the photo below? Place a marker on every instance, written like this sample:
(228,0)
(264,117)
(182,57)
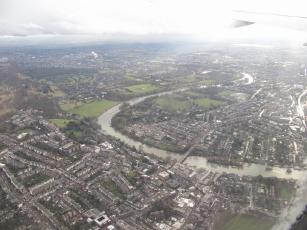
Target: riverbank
(105,121)
(198,162)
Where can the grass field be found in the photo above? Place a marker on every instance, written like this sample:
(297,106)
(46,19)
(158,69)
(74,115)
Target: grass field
(132,77)
(206,102)
(67,106)
(141,88)
(238,96)
(173,104)
(244,221)
(225,93)
(190,78)
(61,123)
(93,109)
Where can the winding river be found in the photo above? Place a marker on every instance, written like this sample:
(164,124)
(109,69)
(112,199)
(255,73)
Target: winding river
(198,162)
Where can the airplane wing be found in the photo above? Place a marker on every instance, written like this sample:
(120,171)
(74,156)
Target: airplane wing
(245,18)
(241,23)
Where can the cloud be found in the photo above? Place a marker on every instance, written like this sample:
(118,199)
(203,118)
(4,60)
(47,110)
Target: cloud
(197,18)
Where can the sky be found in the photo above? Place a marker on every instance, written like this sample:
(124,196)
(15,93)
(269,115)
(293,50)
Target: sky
(196,19)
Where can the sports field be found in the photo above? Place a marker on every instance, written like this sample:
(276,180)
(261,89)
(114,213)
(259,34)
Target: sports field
(173,104)
(91,109)
(207,103)
(141,88)
(245,221)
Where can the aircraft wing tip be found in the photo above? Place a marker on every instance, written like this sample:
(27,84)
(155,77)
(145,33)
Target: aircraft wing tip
(241,23)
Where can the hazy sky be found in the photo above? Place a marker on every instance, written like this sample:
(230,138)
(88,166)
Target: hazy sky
(197,18)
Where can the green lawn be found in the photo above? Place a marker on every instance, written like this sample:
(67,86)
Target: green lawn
(238,96)
(173,104)
(92,109)
(112,187)
(190,78)
(132,77)
(141,88)
(206,102)
(67,106)
(61,123)
(225,93)
(245,221)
